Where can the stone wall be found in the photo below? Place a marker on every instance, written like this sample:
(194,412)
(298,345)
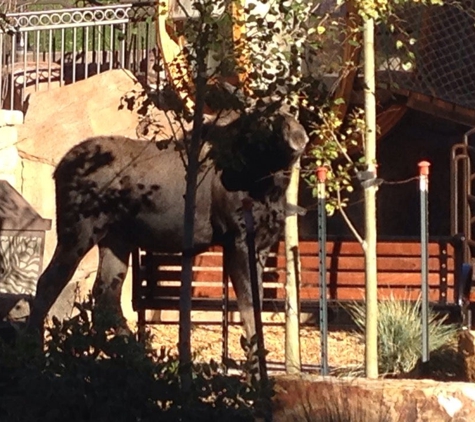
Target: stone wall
(10,306)
(22,229)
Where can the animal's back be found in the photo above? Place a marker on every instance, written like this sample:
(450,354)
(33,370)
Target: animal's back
(110,160)
(130,188)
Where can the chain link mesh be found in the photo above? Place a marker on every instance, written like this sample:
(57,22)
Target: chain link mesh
(424,49)
(431,51)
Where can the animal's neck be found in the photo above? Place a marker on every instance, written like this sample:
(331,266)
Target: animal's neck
(272,186)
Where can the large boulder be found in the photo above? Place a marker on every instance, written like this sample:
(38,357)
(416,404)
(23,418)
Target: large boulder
(467,349)
(309,397)
(60,118)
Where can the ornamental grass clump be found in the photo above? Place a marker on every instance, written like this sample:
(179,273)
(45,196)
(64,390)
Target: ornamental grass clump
(400,333)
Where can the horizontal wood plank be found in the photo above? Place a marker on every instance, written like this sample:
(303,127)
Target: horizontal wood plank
(269,304)
(402,264)
(383,248)
(311,277)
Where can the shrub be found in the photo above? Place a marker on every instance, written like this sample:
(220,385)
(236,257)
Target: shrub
(400,333)
(89,373)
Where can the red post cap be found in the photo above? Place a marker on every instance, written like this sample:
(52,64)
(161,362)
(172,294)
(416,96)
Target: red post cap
(424,168)
(322,174)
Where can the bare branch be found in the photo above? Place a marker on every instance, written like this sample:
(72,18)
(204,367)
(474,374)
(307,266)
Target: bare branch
(348,221)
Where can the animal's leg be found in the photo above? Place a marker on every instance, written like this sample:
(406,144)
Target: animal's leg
(237,264)
(114,256)
(66,259)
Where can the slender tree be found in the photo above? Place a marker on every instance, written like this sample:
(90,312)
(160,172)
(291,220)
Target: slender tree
(371,270)
(293,362)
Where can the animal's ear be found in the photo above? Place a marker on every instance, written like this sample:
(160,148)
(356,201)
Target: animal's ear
(294,133)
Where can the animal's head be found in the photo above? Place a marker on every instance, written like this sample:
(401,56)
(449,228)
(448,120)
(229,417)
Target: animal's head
(293,135)
(252,148)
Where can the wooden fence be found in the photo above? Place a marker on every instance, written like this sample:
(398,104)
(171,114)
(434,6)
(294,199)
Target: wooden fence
(156,282)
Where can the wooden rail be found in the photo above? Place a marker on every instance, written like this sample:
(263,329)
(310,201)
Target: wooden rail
(157,276)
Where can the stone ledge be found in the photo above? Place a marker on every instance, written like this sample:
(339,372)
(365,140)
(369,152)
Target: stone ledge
(307,398)
(11,117)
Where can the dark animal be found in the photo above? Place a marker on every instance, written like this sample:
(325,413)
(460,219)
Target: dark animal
(8,332)
(120,194)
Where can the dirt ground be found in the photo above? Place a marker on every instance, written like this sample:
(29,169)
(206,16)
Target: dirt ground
(344,349)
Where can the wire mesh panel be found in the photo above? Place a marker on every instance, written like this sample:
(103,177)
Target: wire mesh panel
(47,48)
(431,51)
(423,49)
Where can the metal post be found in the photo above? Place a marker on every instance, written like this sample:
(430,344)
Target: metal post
(256,302)
(225,322)
(424,191)
(322,267)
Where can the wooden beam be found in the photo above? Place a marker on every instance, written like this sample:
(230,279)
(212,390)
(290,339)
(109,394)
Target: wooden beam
(435,106)
(440,108)
(171,49)
(351,57)
(239,29)
(389,118)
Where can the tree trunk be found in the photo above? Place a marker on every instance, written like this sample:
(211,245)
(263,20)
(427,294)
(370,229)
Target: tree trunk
(371,271)
(292,311)
(193,155)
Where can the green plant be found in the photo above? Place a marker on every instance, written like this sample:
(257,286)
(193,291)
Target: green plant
(88,372)
(400,333)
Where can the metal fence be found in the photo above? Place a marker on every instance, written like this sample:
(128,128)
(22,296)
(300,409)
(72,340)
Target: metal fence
(59,46)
